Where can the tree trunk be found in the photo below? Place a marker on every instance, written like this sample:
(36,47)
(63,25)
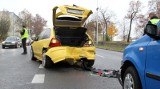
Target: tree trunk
(130,27)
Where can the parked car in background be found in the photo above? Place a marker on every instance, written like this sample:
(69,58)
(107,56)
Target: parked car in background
(141,61)
(12,41)
(67,41)
(28,41)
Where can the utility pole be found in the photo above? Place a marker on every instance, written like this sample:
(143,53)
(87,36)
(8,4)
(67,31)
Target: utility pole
(97,23)
(13,25)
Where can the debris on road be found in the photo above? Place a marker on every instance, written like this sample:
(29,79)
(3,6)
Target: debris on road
(109,73)
(105,73)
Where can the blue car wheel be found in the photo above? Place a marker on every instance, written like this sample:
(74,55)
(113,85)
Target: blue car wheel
(131,79)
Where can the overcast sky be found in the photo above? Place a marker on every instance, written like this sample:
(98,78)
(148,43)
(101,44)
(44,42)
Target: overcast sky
(44,7)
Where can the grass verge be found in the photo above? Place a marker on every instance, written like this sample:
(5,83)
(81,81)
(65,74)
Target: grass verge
(114,46)
(119,49)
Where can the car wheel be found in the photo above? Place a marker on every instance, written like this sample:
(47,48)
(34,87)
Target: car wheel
(20,45)
(87,64)
(131,79)
(3,46)
(32,55)
(46,61)
(16,46)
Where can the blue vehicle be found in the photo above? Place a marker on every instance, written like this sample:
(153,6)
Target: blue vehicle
(141,61)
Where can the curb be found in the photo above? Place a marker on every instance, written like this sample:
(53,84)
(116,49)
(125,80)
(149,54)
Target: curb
(110,50)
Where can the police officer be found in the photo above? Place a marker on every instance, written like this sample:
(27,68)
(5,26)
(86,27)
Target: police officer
(153,20)
(24,36)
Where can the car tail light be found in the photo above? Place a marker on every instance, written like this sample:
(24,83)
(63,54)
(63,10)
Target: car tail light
(88,44)
(54,42)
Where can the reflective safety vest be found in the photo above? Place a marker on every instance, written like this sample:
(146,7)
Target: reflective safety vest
(25,35)
(154,21)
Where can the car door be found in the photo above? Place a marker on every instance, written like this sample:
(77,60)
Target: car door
(152,71)
(43,42)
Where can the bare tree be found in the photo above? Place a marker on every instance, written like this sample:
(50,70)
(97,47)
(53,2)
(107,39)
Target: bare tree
(105,17)
(140,25)
(38,24)
(154,5)
(91,27)
(26,17)
(134,9)
(123,31)
(4,24)
(35,24)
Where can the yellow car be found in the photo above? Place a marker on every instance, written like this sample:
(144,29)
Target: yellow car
(67,41)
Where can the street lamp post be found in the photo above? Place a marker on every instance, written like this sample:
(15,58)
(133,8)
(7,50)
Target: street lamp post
(97,24)
(13,25)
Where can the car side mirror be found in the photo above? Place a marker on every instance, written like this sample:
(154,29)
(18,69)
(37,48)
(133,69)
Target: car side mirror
(19,40)
(34,38)
(151,29)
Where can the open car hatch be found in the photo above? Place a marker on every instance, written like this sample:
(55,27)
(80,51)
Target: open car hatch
(70,16)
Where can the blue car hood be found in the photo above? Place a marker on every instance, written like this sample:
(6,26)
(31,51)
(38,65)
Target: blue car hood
(142,40)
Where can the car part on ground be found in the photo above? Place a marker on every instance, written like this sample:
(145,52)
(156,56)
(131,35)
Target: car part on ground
(109,73)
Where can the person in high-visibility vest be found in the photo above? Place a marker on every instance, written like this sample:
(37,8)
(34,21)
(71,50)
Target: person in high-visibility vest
(153,19)
(24,36)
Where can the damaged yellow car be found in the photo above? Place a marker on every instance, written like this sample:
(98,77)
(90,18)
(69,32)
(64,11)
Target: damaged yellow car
(67,41)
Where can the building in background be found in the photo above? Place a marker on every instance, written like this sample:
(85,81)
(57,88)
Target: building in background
(15,23)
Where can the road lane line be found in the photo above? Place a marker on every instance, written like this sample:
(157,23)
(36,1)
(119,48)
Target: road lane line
(99,55)
(38,78)
(40,66)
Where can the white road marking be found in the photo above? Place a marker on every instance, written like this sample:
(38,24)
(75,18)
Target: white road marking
(99,55)
(40,66)
(38,78)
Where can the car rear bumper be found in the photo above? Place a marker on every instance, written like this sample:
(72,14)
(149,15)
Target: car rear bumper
(58,54)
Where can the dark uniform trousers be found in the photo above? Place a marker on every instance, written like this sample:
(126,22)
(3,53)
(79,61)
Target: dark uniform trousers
(24,45)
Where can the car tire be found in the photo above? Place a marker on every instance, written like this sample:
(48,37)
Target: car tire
(3,46)
(87,64)
(32,55)
(20,45)
(16,46)
(131,79)
(46,61)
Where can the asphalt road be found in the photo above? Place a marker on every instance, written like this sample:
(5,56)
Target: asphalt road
(19,72)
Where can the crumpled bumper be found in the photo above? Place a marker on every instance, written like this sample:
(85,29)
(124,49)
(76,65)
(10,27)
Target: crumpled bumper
(58,54)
